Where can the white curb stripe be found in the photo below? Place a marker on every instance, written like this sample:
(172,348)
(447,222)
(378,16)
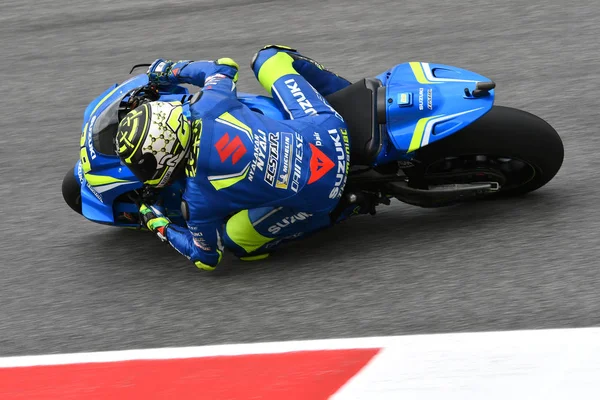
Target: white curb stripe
(544,364)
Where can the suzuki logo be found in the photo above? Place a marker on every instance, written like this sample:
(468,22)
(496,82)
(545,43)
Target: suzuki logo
(300,97)
(226,148)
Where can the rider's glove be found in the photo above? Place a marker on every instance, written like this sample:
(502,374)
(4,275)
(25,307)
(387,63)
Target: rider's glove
(230,62)
(165,72)
(155,221)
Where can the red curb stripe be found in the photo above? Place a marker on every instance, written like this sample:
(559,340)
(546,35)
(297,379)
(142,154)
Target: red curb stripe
(296,375)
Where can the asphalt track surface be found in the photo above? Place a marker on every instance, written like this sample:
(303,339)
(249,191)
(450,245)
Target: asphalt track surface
(69,285)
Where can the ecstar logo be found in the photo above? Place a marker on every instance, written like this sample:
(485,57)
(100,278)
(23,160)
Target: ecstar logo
(272,163)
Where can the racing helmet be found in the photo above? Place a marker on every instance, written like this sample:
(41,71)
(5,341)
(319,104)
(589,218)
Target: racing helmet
(153,141)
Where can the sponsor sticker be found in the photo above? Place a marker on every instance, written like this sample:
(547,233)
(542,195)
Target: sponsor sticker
(298,155)
(342,150)
(430,99)
(422,99)
(305,104)
(94,192)
(287,221)
(320,164)
(227,147)
(260,151)
(214,79)
(199,240)
(272,161)
(89,138)
(285,164)
(318,141)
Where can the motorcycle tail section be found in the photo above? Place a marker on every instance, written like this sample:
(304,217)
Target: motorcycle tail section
(427,102)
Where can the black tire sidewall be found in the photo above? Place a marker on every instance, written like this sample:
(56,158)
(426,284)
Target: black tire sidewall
(72,191)
(504,132)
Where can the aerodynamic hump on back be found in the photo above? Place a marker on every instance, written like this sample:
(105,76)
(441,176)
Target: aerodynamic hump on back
(426,102)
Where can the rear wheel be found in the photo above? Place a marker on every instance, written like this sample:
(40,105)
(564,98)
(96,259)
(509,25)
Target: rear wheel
(71,191)
(519,150)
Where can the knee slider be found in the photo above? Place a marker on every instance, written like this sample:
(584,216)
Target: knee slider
(203,266)
(206,267)
(255,258)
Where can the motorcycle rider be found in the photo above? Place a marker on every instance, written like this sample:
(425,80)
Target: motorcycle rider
(274,179)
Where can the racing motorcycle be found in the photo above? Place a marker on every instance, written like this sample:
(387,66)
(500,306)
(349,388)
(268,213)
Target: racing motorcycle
(426,134)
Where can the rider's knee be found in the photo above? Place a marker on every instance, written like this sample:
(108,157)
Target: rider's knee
(242,239)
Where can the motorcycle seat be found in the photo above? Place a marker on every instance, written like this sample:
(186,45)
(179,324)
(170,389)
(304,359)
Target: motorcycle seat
(358,105)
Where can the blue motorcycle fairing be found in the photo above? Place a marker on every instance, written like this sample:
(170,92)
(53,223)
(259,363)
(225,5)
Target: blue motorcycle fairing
(427,102)
(107,178)
(97,201)
(102,177)
(99,205)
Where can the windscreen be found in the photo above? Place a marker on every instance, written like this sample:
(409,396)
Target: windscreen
(105,128)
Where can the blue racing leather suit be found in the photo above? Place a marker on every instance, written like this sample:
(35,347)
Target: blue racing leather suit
(273,179)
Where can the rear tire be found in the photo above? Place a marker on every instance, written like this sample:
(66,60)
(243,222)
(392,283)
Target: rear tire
(72,191)
(504,133)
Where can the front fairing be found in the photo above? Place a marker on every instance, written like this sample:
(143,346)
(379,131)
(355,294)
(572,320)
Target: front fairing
(101,175)
(112,93)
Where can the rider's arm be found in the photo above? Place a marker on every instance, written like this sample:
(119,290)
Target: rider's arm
(219,75)
(201,242)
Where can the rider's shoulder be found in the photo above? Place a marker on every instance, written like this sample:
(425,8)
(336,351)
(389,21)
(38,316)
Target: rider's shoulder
(205,104)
